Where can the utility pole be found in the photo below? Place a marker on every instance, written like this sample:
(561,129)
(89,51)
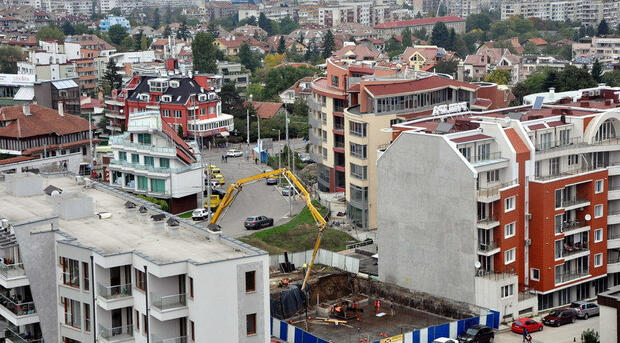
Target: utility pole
(290,204)
(90,139)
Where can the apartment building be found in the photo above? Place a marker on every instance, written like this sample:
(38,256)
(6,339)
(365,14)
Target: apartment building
(186,102)
(392,28)
(89,263)
(520,201)
(350,107)
(589,12)
(52,93)
(151,159)
(234,72)
(465,8)
(606,49)
(485,60)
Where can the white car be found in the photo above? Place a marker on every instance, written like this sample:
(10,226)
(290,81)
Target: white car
(445,340)
(234,153)
(200,214)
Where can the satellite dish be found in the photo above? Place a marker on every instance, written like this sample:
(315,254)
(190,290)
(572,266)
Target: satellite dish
(477,265)
(588,217)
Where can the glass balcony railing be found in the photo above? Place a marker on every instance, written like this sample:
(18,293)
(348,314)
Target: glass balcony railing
(124,141)
(118,331)
(572,225)
(114,292)
(181,339)
(492,191)
(563,143)
(574,201)
(168,302)
(12,333)
(17,307)
(565,277)
(10,271)
(156,169)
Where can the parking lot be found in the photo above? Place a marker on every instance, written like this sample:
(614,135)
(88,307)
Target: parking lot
(568,333)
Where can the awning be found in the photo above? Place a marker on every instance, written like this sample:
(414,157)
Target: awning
(224,133)
(24,94)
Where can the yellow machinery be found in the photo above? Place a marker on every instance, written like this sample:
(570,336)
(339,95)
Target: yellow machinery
(234,189)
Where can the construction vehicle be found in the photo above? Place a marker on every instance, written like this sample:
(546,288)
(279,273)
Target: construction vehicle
(213,202)
(236,187)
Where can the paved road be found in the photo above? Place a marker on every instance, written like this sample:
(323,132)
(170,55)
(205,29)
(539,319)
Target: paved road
(255,199)
(563,334)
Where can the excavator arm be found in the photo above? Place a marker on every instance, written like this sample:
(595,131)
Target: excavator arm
(234,189)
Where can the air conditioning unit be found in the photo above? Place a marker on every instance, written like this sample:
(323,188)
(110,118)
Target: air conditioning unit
(528,242)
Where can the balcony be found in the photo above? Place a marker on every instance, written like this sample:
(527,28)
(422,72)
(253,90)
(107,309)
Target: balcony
(122,141)
(315,140)
(488,249)
(116,335)
(314,105)
(182,339)
(613,193)
(490,194)
(153,169)
(576,250)
(613,240)
(613,217)
(312,121)
(557,145)
(566,277)
(574,226)
(16,312)
(12,275)
(486,159)
(487,223)
(613,265)
(568,173)
(114,297)
(169,307)
(574,203)
(114,114)
(12,335)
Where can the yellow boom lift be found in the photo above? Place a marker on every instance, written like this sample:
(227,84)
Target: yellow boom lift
(234,189)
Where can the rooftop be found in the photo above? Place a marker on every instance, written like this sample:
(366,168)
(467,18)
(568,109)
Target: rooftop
(414,22)
(126,230)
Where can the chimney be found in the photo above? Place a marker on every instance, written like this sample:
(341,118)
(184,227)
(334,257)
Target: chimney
(552,92)
(61,110)
(26,109)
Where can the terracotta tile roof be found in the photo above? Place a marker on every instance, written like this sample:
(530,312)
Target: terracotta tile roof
(361,52)
(516,141)
(537,41)
(429,53)
(416,85)
(183,150)
(472,138)
(484,103)
(231,43)
(56,146)
(16,159)
(42,121)
(414,22)
(265,109)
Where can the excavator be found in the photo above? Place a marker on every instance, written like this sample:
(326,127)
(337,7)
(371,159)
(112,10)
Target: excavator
(234,189)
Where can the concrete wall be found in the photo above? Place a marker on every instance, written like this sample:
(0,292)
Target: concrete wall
(325,257)
(421,243)
(488,293)
(608,325)
(24,185)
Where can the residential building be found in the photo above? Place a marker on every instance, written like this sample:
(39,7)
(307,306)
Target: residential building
(105,6)
(234,72)
(229,45)
(52,93)
(422,57)
(73,7)
(15,87)
(151,159)
(103,265)
(606,49)
(248,10)
(301,90)
(105,24)
(39,131)
(351,105)
(531,63)
(220,9)
(609,323)
(486,59)
(520,201)
(465,8)
(389,29)
(266,110)
(588,12)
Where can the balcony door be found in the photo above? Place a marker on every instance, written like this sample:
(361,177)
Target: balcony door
(115,276)
(117,322)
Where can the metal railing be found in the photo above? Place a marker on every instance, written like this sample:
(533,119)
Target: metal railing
(9,271)
(492,156)
(575,249)
(339,127)
(565,277)
(17,308)
(181,339)
(573,201)
(156,169)
(487,221)
(486,247)
(12,333)
(116,331)
(312,121)
(168,302)
(117,291)
(494,190)
(569,172)
(124,141)
(562,143)
(338,144)
(572,225)
(613,235)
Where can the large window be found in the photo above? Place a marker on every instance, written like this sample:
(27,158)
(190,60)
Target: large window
(559,247)
(72,313)
(143,183)
(122,156)
(70,272)
(250,281)
(599,186)
(164,163)
(144,138)
(509,256)
(413,101)
(598,260)
(357,129)
(250,321)
(358,172)
(554,166)
(85,276)
(606,131)
(158,186)
(140,279)
(149,161)
(359,194)
(86,317)
(358,150)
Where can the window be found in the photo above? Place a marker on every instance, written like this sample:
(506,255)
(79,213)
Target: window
(158,186)
(545,141)
(164,163)
(86,317)
(558,249)
(146,324)
(165,113)
(598,235)
(357,129)
(250,281)
(466,152)
(191,287)
(537,169)
(573,160)
(598,186)
(72,312)
(535,274)
(334,80)
(559,221)
(177,113)
(558,198)
(554,166)
(137,320)
(564,137)
(70,272)
(484,152)
(507,290)
(598,260)
(509,204)
(122,156)
(493,176)
(149,161)
(606,131)
(143,183)
(358,150)
(135,158)
(358,172)
(509,230)
(144,138)
(509,256)
(140,280)
(250,321)
(598,211)
(192,330)
(85,278)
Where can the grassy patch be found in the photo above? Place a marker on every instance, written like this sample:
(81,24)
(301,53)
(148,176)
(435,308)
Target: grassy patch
(187,214)
(299,234)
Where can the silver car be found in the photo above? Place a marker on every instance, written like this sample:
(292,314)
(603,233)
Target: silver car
(585,309)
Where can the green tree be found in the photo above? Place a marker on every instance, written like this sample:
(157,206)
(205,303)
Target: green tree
(440,35)
(590,336)
(111,76)
(180,131)
(597,71)
(612,78)
(156,19)
(67,28)
(248,58)
(231,101)
(300,108)
(117,33)
(551,80)
(618,29)
(481,21)
(212,29)
(9,56)
(281,45)
(81,28)
(573,78)
(128,44)
(499,76)
(451,40)
(144,43)
(265,24)
(167,31)
(447,66)
(603,28)
(288,25)
(328,44)
(406,41)
(460,47)
(203,51)
(50,33)
(183,32)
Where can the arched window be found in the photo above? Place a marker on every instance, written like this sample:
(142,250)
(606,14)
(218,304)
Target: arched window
(605,131)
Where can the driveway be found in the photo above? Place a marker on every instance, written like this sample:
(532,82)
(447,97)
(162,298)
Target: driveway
(568,333)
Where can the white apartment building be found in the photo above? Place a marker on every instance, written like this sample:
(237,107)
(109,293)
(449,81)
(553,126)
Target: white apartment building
(589,12)
(105,266)
(51,61)
(464,8)
(152,160)
(606,49)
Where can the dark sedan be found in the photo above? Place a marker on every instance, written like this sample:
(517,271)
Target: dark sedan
(257,222)
(560,317)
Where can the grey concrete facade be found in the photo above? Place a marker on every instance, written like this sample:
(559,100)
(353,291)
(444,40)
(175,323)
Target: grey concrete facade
(406,217)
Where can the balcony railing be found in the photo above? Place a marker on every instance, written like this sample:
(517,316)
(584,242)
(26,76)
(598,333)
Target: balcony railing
(573,201)
(487,221)
(574,249)
(572,225)
(16,307)
(156,169)
(114,292)
(565,277)
(570,172)
(124,141)
(492,156)
(338,144)
(182,339)
(12,333)
(108,333)
(339,127)
(563,143)
(169,302)
(494,190)
(10,271)
(486,247)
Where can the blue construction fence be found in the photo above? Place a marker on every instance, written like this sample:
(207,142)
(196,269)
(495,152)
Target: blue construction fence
(292,334)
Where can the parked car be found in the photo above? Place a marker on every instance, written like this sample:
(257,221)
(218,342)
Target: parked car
(234,153)
(219,178)
(200,214)
(253,223)
(288,190)
(212,202)
(560,317)
(585,309)
(444,340)
(477,334)
(526,323)
(305,158)
(272,180)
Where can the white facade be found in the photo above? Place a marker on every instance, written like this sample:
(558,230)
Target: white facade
(590,12)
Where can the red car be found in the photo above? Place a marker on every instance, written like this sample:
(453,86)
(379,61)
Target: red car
(530,324)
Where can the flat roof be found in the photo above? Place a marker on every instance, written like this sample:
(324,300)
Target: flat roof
(126,230)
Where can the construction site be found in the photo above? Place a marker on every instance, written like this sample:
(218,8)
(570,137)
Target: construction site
(345,307)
